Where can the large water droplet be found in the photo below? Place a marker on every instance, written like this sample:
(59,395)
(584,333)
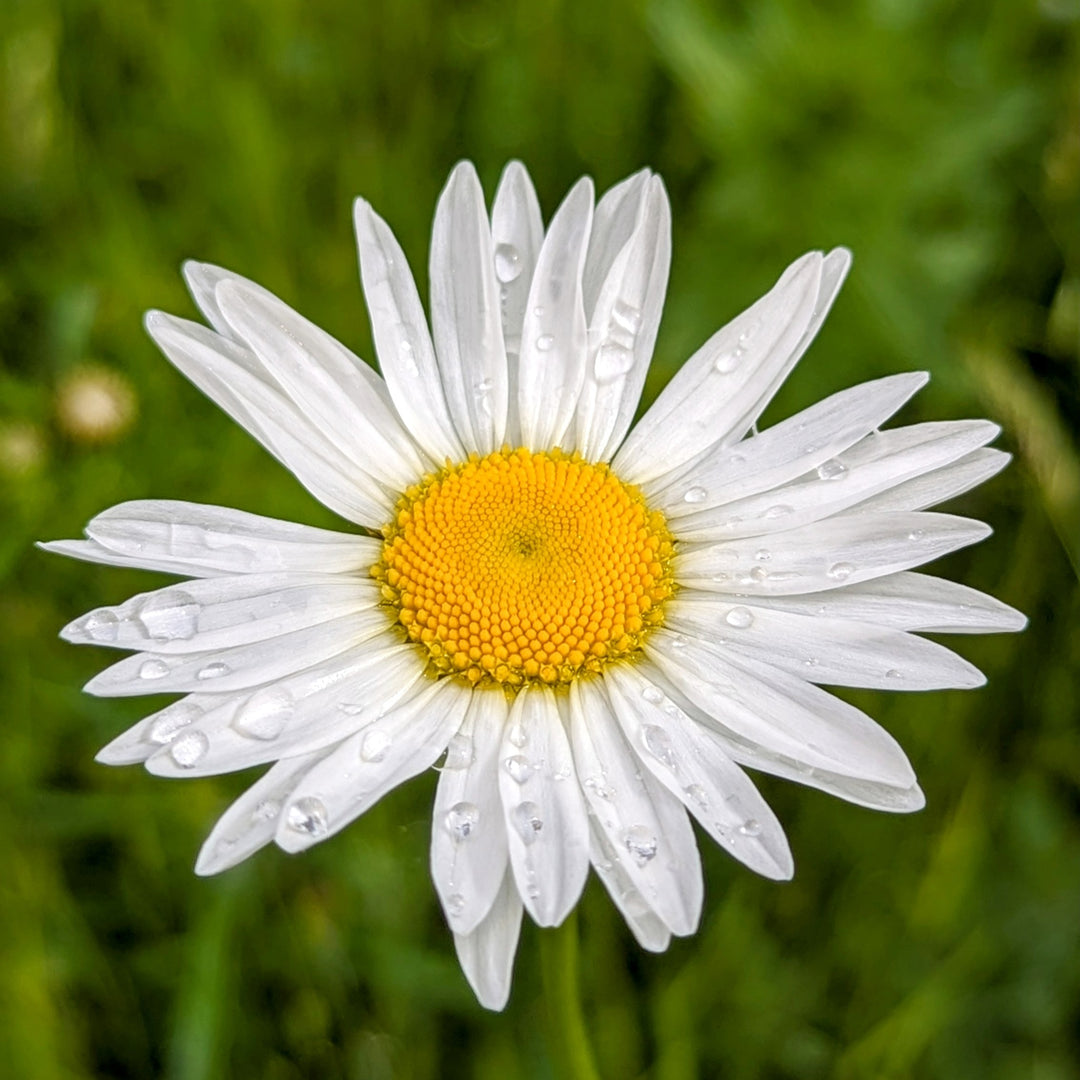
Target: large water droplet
(658,743)
(519,767)
(840,571)
(187,749)
(696,495)
(461,819)
(727,362)
(507,262)
(101,625)
(527,820)
(265,713)
(544,342)
(374,745)
(308,815)
(739,617)
(460,752)
(171,720)
(641,843)
(153,669)
(832,470)
(172,615)
(518,735)
(213,671)
(612,361)
(653,694)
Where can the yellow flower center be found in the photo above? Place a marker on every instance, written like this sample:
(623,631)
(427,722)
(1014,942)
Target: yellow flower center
(521,566)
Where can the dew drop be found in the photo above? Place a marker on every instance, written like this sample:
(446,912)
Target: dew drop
(187,749)
(171,720)
(308,815)
(484,386)
(696,495)
(658,743)
(777,512)
(544,342)
(455,903)
(892,673)
(750,827)
(213,671)
(519,767)
(832,469)
(840,571)
(460,753)
(759,574)
(172,615)
(763,554)
(727,362)
(916,534)
(517,734)
(527,820)
(101,625)
(374,745)
(153,669)
(538,311)
(612,361)
(748,334)
(507,263)
(461,819)
(696,794)
(598,787)
(265,713)
(640,843)
(739,617)
(653,694)
(267,810)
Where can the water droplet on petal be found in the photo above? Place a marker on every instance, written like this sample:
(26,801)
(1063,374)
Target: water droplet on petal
(727,362)
(461,819)
(658,743)
(641,843)
(153,669)
(750,827)
(101,625)
(507,262)
(213,671)
(750,330)
(544,342)
(171,615)
(777,511)
(916,534)
(459,752)
(759,574)
(739,617)
(840,571)
(653,694)
(374,745)
(455,903)
(264,714)
(519,767)
(598,787)
(832,469)
(308,815)
(187,749)
(696,794)
(527,820)
(518,735)
(696,495)
(892,673)
(172,720)
(267,810)
(612,361)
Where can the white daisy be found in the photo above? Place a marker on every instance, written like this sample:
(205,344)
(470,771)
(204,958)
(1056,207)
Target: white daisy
(595,628)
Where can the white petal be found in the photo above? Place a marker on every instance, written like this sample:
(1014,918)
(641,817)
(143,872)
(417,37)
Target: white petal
(336,390)
(202,282)
(487,954)
(907,601)
(646,926)
(402,341)
(237,668)
(392,749)
(251,821)
(779,712)
(465,314)
(645,825)
(820,649)
(517,231)
(468,835)
(617,214)
(693,766)
(194,538)
(545,814)
(158,729)
(294,715)
(623,327)
(231,376)
(939,485)
(552,360)
(786,450)
(826,554)
(707,400)
(221,612)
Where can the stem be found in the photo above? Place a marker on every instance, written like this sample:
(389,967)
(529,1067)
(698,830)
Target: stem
(567,1035)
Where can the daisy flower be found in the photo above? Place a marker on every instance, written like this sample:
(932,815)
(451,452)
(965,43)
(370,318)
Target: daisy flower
(594,627)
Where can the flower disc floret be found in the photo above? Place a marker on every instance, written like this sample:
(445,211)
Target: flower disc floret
(521,566)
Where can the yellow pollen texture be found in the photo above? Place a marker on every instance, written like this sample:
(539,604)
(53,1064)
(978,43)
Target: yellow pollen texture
(525,567)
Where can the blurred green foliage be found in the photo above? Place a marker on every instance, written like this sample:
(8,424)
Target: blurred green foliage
(941,141)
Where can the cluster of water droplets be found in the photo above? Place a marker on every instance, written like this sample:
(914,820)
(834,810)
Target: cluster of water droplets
(615,357)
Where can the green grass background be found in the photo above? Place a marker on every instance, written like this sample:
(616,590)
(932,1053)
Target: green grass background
(940,140)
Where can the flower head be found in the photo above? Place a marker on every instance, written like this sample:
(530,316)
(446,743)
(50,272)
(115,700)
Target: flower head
(595,628)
